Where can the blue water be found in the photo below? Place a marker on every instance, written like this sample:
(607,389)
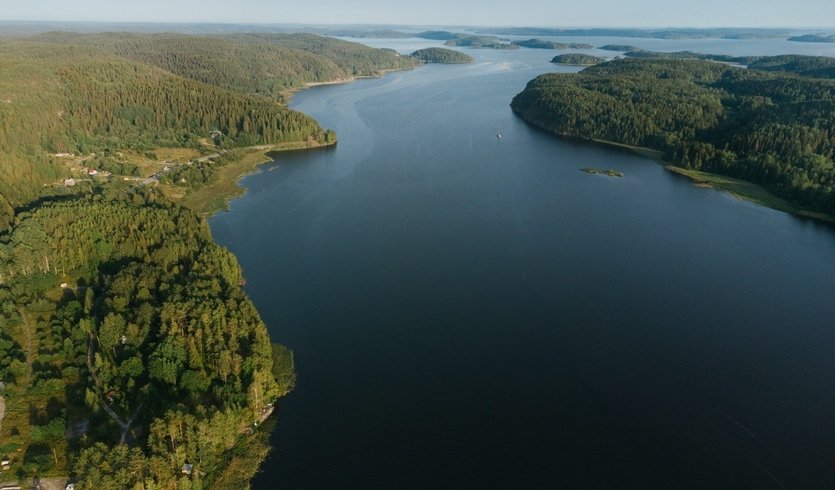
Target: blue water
(469,312)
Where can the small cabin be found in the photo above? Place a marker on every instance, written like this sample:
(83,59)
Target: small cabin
(6,463)
(187,469)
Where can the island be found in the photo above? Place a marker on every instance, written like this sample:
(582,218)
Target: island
(814,38)
(578,59)
(540,44)
(625,48)
(130,354)
(442,55)
(467,40)
(766,127)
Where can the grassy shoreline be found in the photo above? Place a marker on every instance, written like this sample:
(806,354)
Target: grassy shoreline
(215,197)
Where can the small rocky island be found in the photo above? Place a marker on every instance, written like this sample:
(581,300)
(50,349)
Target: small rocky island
(577,59)
(442,55)
(610,172)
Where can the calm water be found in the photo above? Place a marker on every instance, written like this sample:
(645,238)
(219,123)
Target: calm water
(475,313)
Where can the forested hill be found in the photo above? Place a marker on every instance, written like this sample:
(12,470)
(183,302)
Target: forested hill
(776,129)
(265,64)
(70,93)
(442,55)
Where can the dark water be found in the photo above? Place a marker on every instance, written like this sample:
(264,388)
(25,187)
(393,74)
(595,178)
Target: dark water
(475,313)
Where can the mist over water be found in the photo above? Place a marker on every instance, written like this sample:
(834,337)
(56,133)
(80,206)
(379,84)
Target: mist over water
(475,312)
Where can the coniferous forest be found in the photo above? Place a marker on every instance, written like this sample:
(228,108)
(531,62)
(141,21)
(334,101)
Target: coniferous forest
(130,356)
(772,124)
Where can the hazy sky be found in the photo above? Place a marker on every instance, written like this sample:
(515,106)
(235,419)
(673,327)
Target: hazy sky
(550,13)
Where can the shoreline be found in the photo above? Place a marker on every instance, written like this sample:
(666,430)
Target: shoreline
(209,200)
(215,197)
(740,189)
(288,94)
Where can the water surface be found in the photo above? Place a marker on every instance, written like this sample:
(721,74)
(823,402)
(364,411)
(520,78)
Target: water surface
(469,312)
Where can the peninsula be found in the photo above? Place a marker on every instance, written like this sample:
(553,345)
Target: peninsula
(772,128)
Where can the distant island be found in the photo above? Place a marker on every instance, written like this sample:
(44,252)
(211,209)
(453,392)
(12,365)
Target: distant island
(467,40)
(620,47)
(577,59)
(769,124)
(540,44)
(813,38)
(442,55)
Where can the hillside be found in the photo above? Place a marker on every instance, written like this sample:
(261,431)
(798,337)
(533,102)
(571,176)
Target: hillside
(81,94)
(773,129)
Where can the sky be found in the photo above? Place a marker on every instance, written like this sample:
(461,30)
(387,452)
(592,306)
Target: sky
(539,13)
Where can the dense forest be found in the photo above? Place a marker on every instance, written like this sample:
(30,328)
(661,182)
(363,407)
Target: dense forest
(441,55)
(147,345)
(776,129)
(264,64)
(577,59)
(540,44)
(129,355)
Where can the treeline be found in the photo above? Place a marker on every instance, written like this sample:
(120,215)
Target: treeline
(156,355)
(441,55)
(774,129)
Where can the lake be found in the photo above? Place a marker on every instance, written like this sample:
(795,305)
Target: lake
(475,312)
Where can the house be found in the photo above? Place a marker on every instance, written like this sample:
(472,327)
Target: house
(187,469)
(92,171)
(69,182)
(6,463)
